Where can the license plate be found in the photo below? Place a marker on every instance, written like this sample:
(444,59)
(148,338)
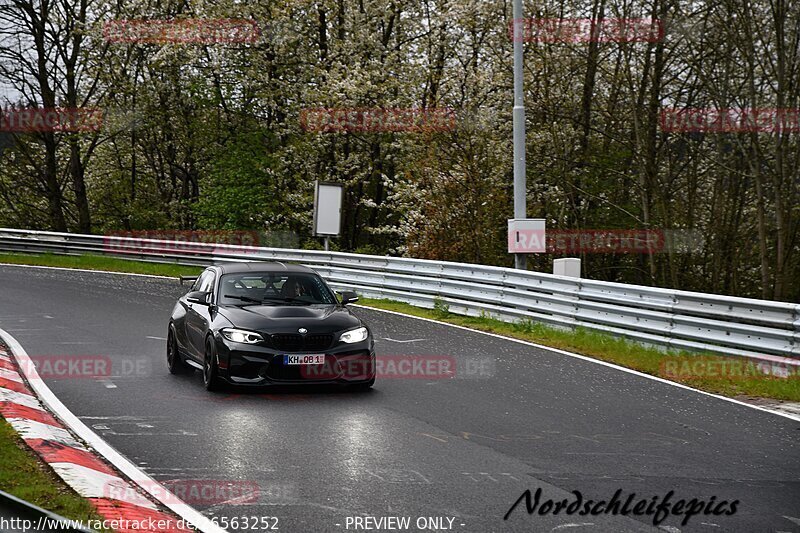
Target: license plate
(309,359)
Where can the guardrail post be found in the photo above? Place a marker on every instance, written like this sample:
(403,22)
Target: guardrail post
(671,323)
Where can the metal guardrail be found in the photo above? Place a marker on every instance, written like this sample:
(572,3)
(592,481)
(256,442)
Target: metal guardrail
(675,319)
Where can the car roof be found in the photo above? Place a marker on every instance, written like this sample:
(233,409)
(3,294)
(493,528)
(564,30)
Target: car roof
(262,266)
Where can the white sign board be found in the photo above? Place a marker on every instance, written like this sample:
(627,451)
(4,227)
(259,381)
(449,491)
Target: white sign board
(526,235)
(328,208)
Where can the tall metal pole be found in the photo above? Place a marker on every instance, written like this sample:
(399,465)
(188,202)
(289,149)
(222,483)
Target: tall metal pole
(520,186)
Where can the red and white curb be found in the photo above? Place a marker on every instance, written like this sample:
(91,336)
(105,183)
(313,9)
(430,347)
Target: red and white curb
(26,403)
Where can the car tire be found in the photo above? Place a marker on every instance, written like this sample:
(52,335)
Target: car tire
(210,370)
(175,362)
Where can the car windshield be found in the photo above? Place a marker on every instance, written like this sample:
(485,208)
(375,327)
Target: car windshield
(274,288)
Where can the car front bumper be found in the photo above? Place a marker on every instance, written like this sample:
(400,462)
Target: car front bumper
(258,365)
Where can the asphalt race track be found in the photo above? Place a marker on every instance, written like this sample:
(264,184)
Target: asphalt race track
(464,447)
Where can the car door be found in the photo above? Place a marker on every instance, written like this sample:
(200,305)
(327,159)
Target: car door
(179,317)
(198,317)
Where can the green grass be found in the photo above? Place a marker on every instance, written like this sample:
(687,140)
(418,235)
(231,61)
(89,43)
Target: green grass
(99,262)
(583,341)
(23,475)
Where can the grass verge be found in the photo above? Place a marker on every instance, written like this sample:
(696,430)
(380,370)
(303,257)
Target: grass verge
(99,262)
(740,379)
(25,476)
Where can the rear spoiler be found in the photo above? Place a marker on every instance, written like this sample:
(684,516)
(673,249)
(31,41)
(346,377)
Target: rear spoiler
(188,278)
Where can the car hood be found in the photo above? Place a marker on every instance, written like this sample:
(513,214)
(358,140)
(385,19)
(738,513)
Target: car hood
(289,318)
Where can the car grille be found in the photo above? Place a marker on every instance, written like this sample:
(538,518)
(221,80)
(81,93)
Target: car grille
(290,342)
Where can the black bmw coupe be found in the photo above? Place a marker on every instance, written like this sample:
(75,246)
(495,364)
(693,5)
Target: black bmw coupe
(262,323)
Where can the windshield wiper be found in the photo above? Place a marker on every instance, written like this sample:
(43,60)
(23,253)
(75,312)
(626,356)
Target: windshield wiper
(243,298)
(268,299)
(287,300)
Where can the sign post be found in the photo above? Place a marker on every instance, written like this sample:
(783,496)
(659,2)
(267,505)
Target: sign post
(328,210)
(520,183)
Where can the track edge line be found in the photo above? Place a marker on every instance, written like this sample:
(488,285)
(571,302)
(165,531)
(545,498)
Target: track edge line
(95,443)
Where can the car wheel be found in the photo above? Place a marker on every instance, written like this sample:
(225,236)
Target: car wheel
(210,370)
(175,362)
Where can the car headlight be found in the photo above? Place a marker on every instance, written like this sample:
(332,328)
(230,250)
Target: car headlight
(241,335)
(354,335)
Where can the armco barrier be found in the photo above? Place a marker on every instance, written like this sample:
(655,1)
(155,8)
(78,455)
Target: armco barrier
(666,317)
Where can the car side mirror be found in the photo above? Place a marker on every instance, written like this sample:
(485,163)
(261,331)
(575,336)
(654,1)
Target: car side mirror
(348,297)
(198,297)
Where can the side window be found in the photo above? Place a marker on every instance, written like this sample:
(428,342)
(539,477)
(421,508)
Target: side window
(321,290)
(207,281)
(204,282)
(195,286)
